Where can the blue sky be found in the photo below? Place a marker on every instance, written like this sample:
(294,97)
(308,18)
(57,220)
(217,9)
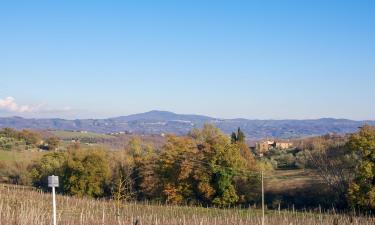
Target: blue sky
(229,59)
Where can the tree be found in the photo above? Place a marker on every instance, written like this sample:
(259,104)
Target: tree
(52,143)
(233,137)
(362,188)
(175,169)
(335,164)
(248,188)
(31,138)
(135,146)
(238,137)
(146,176)
(203,167)
(247,155)
(122,184)
(226,163)
(86,173)
(8,132)
(49,164)
(82,172)
(222,163)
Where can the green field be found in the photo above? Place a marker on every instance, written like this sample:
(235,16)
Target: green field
(19,156)
(78,135)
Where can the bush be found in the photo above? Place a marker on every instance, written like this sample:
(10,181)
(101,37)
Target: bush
(82,172)
(86,173)
(15,173)
(361,191)
(49,164)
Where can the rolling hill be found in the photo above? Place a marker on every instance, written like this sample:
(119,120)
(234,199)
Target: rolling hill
(157,122)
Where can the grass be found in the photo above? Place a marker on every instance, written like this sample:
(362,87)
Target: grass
(68,135)
(32,207)
(19,156)
(14,163)
(284,180)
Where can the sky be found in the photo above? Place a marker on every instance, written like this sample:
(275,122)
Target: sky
(227,59)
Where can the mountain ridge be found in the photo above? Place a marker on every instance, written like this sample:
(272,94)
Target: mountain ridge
(157,122)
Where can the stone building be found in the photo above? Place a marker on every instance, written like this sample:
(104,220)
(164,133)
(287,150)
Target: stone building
(266,145)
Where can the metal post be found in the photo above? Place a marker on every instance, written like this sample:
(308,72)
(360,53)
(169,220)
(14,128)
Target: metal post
(53,182)
(262,198)
(54,205)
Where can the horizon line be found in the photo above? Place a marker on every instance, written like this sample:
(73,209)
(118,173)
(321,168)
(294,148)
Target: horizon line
(182,114)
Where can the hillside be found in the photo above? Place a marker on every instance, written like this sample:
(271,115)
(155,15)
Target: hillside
(157,122)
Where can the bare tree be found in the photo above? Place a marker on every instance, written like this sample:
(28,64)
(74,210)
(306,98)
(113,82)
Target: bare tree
(123,188)
(335,166)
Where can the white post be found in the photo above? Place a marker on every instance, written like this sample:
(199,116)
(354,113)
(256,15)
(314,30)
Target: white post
(262,198)
(53,182)
(54,205)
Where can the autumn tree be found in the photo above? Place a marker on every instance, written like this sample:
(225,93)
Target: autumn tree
(202,167)
(175,167)
(135,146)
(145,174)
(362,188)
(30,137)
(222,164)
(52,143)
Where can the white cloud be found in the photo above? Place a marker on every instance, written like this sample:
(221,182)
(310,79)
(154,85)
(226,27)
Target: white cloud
(9,104)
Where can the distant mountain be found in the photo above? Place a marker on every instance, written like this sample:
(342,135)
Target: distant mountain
(162,116)
(157,122)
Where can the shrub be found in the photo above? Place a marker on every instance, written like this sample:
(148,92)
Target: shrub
(49,164)
(86,173)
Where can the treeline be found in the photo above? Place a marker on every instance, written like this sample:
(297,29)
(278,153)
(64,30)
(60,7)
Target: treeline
(347,166)
(204,167)
(207,167)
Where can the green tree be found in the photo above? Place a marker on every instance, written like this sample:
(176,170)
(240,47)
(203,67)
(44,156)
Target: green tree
(238,137)
(362,189)
(49,164)
(248,188)
(86,173)
(233,137)
(135,146)
(225,190)
(8,132)
(222,163)
(226,164)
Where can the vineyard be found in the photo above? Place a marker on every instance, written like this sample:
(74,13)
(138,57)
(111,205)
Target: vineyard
(26,206)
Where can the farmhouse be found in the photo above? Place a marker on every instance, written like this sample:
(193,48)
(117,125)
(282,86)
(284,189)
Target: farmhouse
(266,145)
